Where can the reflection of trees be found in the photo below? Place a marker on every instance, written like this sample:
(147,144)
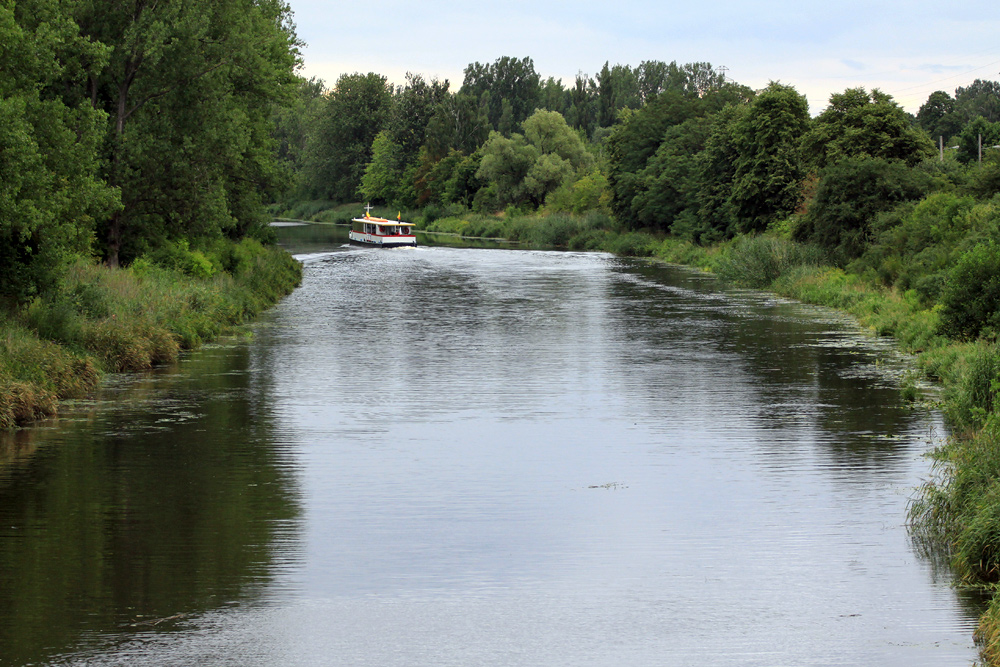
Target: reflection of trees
(168,501)
(690,347)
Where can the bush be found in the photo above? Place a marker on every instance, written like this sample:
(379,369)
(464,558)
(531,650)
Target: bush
(757,261)
(179,256)
(971,297)
(849,196)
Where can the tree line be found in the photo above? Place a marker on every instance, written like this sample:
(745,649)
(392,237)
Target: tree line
(128,125)
(667,147)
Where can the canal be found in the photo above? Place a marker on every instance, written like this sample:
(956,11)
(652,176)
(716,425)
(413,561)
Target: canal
(454,456)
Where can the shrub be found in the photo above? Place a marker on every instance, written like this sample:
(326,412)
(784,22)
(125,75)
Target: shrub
(971,296)
(757,261)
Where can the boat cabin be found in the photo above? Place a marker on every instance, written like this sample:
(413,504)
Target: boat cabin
(381,232)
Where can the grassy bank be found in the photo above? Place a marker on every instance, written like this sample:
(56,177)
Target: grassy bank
(106,321)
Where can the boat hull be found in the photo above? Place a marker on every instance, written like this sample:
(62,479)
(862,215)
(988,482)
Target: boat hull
(379,241)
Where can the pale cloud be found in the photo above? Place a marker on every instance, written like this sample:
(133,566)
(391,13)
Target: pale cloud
(906,49)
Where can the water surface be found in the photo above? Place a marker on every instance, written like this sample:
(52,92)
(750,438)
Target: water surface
(452,456)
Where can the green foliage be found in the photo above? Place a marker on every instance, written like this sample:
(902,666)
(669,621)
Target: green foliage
(670,180)
(981,98)
(768,170)
(413,106)
(178,256)
(938,117)
(356,110)
(50,192)
(458,123)
(504,167)
(917,243)
(189,90)
(663,129)
(383,180)
(860,124)
(507,80)
(971,297)
(849,196)
(589,192)
(524,169)
(758,261)
(978,137)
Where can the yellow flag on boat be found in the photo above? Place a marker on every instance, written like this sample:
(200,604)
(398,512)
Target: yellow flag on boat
(399,215)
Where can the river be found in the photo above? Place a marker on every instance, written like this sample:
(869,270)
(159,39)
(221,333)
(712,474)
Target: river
(444,456)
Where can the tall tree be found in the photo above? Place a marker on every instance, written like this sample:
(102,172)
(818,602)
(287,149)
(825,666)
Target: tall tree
(511,79)
(858,123)
(768,170)
(412,109)
(980,98)
(356,110)
(458,122)
(189,89)
(50,192)
(937,116)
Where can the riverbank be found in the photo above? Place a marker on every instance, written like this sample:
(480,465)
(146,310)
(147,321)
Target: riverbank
(113,320)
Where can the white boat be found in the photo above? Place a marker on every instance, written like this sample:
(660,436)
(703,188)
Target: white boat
(380,232)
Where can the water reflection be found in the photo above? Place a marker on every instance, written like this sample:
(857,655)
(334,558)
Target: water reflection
(509,457)
(160,499)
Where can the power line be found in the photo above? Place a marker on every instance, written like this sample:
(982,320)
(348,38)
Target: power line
(947,78)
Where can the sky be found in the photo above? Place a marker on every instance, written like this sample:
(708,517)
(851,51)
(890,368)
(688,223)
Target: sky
(907,49)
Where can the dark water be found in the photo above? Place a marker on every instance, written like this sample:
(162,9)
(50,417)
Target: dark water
(486,457)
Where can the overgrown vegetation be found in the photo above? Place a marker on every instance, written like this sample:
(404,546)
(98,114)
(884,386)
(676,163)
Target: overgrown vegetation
(134,135)
(103,321)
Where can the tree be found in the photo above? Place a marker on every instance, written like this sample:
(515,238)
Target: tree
(668,199)
(857,124)
(938,117)
(412,109)
(505,164)
(979,133)
(548,132)
(525,168)
(382,180)
(507,79)
(849,195)
(716,174)
(458,123)
(189,89)
(50,192)
(294,122)
(356,110)
(617,88)
(980,98)
(768,169)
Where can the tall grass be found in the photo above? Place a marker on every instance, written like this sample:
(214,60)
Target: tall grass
(127,320)
(758,261)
